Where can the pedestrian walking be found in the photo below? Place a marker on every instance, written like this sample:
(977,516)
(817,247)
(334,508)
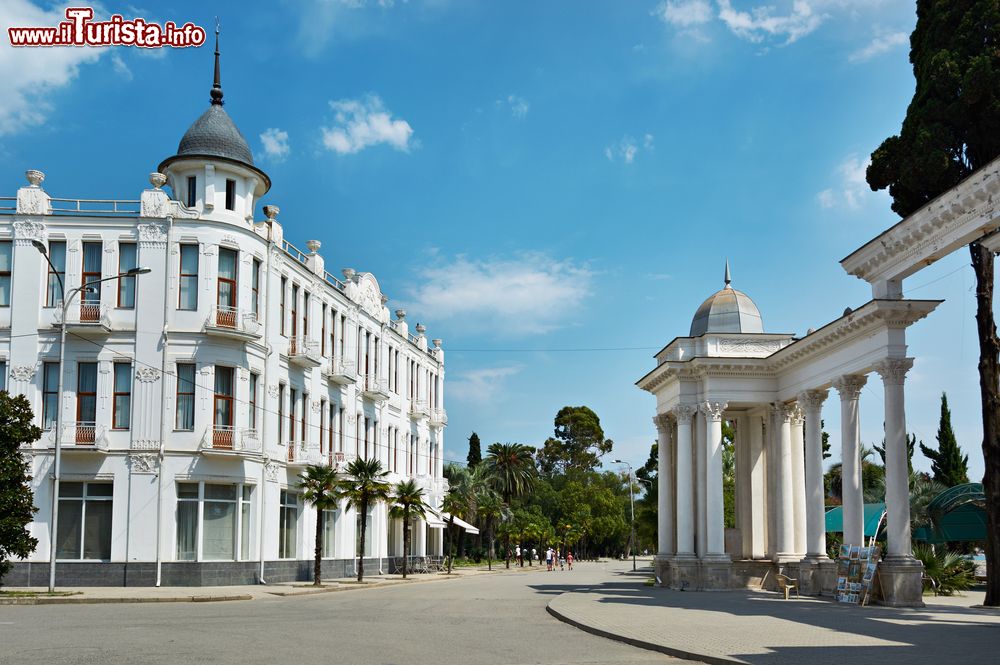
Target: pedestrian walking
(569,560)
(548,559)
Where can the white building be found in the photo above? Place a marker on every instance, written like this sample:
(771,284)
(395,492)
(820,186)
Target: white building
(195,394)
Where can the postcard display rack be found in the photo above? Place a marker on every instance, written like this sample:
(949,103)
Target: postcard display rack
(856,570)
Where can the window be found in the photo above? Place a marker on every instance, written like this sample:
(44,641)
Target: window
(343,339)
(322,333)
(304,422)
(305,315)
(226,286)
(185,397)
(281,413)
(295,309)
(322,426)
(6,264)
(57,277)
(284,289)
(369,546)
(254,378)
(92,255)
(213,521)
(288,527)
(330,519)
(292,397)
(126,285)
(230,194)
(50,395)
(255,288)
(85,511)
(188,286)
(223,408)
(366,437)
(86,393)
(3,375)
(192,191)
(123,396)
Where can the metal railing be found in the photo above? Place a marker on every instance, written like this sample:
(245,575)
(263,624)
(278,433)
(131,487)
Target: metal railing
(301,348)
(83,435)
(439,416)
(294,252)
(342,371)
(223,318)
(230,439)
(87,314)
(334,282)
(418,409)
(94,206)
(8,208)
(375,387)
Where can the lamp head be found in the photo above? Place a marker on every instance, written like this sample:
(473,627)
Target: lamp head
(132,272)
(40,246)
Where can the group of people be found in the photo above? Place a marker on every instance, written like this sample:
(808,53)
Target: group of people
(553,557)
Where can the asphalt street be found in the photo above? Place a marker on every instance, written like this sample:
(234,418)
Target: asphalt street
(488,619)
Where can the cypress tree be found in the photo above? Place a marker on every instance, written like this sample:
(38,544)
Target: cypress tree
(475,451)
(949,465)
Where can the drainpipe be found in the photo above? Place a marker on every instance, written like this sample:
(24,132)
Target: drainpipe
(163,401)
(268,350)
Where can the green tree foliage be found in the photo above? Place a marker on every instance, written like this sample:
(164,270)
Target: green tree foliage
(646,506)
(728,474)
(320,486)
(578,443)
(16,501)
(872,478)
(911,446)
(365,486)
(511,471)
(475,455)
(407,504)
(945,572)
(949,465)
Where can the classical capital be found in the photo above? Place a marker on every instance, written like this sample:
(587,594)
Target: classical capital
(662,421)
(713,410)
(683,411)
(812,400)
(784,412)
(893,370)
(849,386)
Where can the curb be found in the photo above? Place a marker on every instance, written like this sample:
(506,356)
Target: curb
(642,644)
(70,600)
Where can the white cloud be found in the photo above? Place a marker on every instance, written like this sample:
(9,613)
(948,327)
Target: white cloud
(518,106)
(362,123)
(684,13)
(530,293)
(275,142)
(761,22)
(852,188)
(627,148)
(881,43)
(120,66)
(31,74)
(480,385)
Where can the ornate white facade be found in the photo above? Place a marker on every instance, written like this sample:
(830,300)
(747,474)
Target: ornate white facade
(195,394)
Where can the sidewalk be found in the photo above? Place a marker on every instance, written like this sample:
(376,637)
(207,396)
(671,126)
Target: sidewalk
(165,594)
(764,629)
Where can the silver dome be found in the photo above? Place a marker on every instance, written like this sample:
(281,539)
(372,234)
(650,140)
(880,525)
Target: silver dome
(727,311)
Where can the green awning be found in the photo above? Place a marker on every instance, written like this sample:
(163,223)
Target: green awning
(873,513)
(957,514)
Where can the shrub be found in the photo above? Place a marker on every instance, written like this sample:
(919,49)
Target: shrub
(949,572)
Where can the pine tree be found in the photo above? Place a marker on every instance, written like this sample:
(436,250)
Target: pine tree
(16,500)
(950,467)
(475,451)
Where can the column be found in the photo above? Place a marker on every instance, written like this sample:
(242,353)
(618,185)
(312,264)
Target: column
(849,387)
(714,521)
(757,490)
(685,507)
(812,405)
(785,516)
(897,476)
(798,483)
(664,490)
(700,447)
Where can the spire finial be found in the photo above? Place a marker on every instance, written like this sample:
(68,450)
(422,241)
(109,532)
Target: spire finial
(217,83)
(729,278)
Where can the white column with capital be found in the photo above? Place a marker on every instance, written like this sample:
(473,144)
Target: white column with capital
(785,515)
(849,387)
(700,487)
(714,522)
(812,405)
(664,481)
(897,476)
(798,482)
(685,491)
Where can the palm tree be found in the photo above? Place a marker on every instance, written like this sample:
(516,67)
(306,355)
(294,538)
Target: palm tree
(511,469)
(365,487)
(321,487)
(492,511)
(408,502)
(460,501)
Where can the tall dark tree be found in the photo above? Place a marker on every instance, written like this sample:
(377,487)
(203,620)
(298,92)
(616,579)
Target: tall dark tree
(952,128)
(475,451)
(578,443)
(16,501)
(949,465)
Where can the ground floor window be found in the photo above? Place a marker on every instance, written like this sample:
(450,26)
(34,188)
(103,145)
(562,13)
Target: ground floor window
(85,511)
(288,525)
(369,536)
(213,521)
(330,519)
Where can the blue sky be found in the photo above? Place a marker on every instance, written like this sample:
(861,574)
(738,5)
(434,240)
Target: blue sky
(535,179)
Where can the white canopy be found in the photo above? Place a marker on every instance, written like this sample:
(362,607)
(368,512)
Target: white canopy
(445,518)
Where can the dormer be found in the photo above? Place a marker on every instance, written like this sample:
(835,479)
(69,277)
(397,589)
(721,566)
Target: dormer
(213,171)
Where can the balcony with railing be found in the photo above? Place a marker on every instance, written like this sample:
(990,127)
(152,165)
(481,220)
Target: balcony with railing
(229,440)
(297,454)
(340,460)
(82,435)
(86,317)
(304,352)
(234,323)
(375,389)
(438,417)
(418,409)
(343,372)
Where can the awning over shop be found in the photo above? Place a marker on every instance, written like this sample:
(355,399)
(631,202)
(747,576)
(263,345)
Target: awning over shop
(433,519)
(434,513)
(462,523)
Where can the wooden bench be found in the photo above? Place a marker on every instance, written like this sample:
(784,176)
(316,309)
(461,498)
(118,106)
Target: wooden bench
(787,584)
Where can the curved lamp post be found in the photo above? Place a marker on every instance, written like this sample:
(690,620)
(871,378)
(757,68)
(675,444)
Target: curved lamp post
(631,496)
(86,287)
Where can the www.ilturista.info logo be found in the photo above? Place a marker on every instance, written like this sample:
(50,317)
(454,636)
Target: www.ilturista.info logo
(81,30)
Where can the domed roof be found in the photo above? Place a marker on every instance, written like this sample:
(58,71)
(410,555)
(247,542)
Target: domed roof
(727,311)
(215,135)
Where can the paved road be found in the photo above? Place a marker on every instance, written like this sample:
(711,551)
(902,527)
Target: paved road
(493,620)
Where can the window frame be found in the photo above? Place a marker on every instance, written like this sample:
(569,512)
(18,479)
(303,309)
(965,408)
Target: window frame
(80,394)
(57,277)
(89,276)
(255,287)
(230,194)
(50,392)
(7,276)
(232,283)
(243,519)
(117,394)
(84,498)
(192,191)
(178,394)
(126,283)
(288,505)
(184,277)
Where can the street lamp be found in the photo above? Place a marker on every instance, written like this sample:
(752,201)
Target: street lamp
(86,287)
(631,496)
